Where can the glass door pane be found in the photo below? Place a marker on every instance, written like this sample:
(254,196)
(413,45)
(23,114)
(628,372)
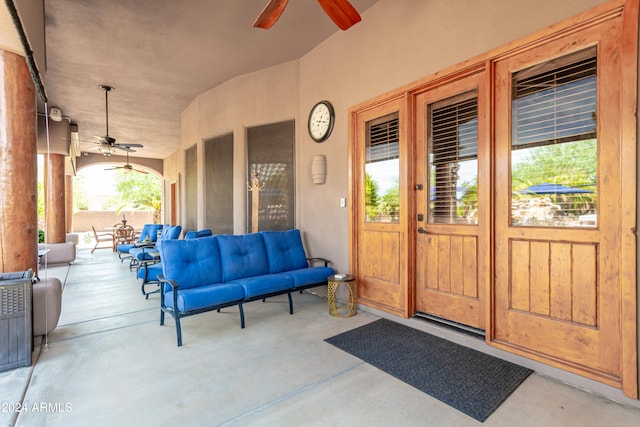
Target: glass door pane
(453,160)
(554,144)
(382,169)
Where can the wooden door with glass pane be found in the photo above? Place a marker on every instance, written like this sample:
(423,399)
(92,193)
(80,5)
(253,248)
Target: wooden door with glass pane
(558,217)
(379,243)
(452,250)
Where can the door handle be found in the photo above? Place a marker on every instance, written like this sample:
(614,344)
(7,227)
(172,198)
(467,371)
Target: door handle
(422,230)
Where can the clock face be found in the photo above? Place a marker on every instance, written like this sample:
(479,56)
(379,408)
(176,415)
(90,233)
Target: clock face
(321,121)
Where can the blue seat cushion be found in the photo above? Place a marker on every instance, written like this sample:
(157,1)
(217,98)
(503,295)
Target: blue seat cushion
(264,285)
(284,250)
(148,230)
(125,248)
(149,273)
(309,276)
(191,263)
(242,256)
(205,296)
(144,254)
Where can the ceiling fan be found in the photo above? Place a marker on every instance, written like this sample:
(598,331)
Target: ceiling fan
(340,11)
(106,142)
(127,168)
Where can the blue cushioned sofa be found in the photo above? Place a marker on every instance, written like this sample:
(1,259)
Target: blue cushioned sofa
(211,273)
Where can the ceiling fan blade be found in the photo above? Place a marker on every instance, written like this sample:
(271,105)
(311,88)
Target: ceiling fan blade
(139,171)
(270,14)
(113,168)
(124,148)
(341,12)
(122,144)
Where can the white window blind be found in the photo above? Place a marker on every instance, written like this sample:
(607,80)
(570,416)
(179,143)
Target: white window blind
(453,159)
(555,105)
(383,139)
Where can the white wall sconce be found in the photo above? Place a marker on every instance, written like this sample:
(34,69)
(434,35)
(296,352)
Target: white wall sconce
(319,169)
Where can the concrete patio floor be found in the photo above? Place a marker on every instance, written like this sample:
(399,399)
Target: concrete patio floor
(109,363)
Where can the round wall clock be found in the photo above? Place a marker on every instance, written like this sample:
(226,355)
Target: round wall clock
(321,120)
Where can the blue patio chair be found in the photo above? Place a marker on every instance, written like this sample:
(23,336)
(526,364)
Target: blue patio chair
(148,251)
(150,269)
(148,236)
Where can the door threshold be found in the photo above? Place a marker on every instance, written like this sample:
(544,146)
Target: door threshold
(470,330)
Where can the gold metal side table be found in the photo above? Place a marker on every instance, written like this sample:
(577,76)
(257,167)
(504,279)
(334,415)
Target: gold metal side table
(351,306)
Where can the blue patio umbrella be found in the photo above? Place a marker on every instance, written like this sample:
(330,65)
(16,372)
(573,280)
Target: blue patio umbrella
(549,188)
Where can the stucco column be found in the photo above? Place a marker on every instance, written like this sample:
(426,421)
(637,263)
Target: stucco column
(18,166)
(55,202)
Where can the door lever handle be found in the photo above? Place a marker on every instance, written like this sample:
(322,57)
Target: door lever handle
(422,230)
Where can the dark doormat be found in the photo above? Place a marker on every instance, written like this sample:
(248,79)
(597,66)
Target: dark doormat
(472,382)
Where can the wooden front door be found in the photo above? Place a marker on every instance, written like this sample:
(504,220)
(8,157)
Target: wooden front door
(452,214)
(558,198)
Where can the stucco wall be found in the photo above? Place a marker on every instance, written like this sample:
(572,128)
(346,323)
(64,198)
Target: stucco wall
(103,220)
(268,96)
(396,43)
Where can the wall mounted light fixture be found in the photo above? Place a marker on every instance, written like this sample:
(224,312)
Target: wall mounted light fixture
(319,169)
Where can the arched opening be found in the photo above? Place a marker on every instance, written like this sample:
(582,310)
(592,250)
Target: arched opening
(105,194)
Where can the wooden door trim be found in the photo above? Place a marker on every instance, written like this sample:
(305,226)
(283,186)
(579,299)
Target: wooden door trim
(628,258)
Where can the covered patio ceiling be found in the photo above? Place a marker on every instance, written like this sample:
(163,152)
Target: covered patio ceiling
(159,55)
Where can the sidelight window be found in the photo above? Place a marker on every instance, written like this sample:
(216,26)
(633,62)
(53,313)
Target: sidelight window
(382,169)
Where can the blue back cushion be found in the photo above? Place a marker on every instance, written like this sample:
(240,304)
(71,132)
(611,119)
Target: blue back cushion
(191,263)
(170,232)
(242,256)
(204,233)
(284,250)
(150,231)
(197,234)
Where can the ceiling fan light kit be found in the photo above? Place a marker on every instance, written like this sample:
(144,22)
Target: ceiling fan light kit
(127,168)
(107,150)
